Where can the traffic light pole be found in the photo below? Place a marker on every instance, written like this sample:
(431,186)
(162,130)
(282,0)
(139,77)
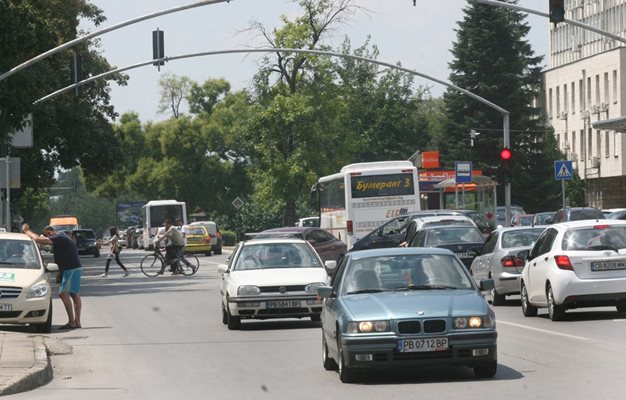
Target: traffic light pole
(507,185)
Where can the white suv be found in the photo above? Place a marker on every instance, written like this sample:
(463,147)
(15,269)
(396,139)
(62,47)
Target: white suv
(576,264)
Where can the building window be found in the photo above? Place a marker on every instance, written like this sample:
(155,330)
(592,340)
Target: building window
(581,95)
(597,90)
(549,103)
(573,148)
(573,97)
(589,143)
(599,144)
(558,101)
(565,100)
(588,105)
(614,86)
(606,88)
(607,148)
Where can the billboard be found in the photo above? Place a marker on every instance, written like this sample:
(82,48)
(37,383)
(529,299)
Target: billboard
(128,213)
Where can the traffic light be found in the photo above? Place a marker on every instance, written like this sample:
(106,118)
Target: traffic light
(506,165)
(158,47)
(557,11)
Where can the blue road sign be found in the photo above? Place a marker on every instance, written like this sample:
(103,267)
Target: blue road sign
(463,172)
(563,170)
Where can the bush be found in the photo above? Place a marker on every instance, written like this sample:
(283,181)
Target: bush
(229,238)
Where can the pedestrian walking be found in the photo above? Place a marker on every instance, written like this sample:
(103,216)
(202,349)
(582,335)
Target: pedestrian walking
(114,253)
(70,269)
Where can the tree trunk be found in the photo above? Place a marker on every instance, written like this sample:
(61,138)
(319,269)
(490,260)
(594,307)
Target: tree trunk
(289,218)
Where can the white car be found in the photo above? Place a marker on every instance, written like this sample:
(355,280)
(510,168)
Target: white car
(576,264)
(271,278)
(25,292)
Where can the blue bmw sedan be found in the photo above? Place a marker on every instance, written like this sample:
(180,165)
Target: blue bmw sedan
(406,307)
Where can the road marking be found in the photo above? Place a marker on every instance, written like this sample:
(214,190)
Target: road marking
(542,330)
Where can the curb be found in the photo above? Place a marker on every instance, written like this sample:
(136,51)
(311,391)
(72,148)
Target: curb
(37,375)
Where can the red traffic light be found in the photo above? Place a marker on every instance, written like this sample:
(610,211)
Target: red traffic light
(505,154)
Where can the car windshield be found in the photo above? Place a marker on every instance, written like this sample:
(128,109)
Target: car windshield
(461,234)
(579,215)
(276,255)
(18,254)
(599,237)
(194,231)
(543,219)
(84,235)
(405,272)
(520,238)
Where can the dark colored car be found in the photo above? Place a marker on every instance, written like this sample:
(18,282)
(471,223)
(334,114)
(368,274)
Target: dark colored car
(577,214)
(325,244)
(480,219)
(86,241)
(464,241)
(393,232)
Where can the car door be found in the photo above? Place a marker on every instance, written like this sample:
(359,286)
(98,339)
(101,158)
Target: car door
(481,266)
(331,309)
(538,265)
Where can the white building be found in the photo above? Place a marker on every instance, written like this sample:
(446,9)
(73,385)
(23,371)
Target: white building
(585,97)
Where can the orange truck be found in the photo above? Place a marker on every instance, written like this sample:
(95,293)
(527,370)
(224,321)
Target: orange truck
(64,222)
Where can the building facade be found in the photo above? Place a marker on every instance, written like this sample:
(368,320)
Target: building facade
(585,97)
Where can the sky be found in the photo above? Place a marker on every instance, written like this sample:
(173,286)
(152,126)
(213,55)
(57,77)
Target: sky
(419,37)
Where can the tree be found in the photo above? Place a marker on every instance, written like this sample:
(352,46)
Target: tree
(174,90)
(69,130)
(493,60)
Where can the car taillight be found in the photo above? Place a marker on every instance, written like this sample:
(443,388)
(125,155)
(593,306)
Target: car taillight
(563,262)
(207,239)
(349,226)
(511,261)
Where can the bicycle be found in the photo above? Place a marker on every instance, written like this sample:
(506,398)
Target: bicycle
(153,263)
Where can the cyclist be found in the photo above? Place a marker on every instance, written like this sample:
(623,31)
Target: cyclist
(174,250)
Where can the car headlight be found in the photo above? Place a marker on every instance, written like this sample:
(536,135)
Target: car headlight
(39,290)
(248,290)
(312,287)
(368,326)
(476,322)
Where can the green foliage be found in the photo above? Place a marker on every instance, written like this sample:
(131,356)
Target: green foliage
(229,238)
(493,60)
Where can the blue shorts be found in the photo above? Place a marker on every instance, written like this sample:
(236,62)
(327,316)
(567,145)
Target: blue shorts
(70,281)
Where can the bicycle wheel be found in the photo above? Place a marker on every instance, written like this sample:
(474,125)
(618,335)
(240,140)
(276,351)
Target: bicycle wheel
(151,265)
(190,270)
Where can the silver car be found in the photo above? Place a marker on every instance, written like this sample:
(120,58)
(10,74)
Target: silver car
(498,259)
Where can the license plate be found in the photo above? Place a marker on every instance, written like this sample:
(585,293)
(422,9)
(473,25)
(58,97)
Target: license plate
(422,345)
(6,307)
(608,265)
(464,255)
(283,304)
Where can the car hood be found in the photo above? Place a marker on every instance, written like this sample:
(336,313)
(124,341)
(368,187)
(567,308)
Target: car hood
(279,276)
(407,304)
(20,276)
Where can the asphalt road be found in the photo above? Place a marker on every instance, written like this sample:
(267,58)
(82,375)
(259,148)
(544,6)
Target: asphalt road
(162,338)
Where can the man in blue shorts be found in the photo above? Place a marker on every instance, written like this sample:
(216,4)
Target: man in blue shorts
(71,270)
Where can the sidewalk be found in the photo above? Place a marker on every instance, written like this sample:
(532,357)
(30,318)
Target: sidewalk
(24,362)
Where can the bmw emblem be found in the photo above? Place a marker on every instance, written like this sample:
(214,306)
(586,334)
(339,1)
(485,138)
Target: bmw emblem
(460,247)
(282,289)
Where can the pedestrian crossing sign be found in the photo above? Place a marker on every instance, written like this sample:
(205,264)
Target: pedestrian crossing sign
(563,170)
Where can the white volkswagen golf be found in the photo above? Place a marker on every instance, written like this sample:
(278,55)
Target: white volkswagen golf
(25,293)
(272,278)
(576,264)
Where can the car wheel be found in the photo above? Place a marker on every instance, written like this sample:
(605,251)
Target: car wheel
(232,321)
(316,318)
(487,370)
(329,363)
(497,299)
(527,309)
(346,374)
(556,312)
(621,306)
(46,327)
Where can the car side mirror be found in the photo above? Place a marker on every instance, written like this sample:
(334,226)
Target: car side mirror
(487,284)
(325,292)
(52,267)
(523,255)
(222,268)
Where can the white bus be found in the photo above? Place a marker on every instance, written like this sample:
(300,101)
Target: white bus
(363,196)
(154,212)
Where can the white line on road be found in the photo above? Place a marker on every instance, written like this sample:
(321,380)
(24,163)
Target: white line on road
(542,330)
